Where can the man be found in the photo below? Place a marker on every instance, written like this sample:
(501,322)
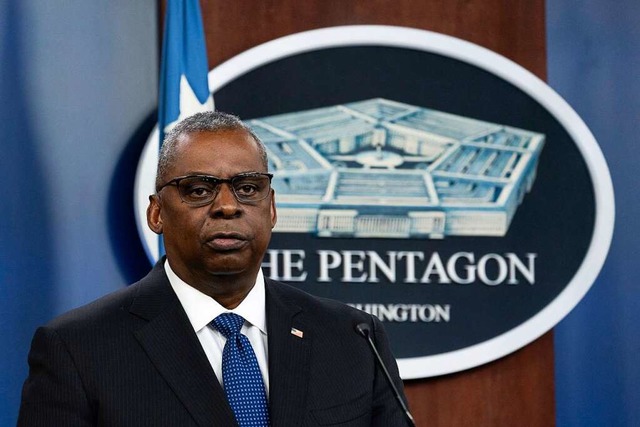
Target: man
(155,353)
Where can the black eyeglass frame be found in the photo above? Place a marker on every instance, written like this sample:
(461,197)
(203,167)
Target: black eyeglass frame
(217,182)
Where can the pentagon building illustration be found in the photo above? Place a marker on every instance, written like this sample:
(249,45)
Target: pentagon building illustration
(380,168)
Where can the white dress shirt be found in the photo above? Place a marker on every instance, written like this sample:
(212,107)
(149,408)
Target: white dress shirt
(202,309)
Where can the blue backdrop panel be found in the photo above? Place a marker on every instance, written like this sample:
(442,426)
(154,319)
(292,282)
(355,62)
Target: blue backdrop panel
(78,85)
(593,61)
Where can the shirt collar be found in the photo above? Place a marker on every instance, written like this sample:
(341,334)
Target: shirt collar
(201,309)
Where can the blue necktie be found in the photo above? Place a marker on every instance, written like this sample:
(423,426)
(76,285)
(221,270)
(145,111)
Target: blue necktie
(241,374)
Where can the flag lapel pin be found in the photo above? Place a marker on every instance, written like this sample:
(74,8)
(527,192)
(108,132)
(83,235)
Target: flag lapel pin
(297,332)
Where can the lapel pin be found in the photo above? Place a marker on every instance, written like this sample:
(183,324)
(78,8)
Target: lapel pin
(297,332)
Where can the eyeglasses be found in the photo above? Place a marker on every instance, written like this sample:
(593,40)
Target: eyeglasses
(200,190)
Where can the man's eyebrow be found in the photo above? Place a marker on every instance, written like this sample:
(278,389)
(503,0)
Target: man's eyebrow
(190,173)
(196,172)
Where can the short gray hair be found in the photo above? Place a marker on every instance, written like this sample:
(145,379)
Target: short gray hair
(209,121)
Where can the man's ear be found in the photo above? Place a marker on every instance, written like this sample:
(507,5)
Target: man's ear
(272,208)
(154,215)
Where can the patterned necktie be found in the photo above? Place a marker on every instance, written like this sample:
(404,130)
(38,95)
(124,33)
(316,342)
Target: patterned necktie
(241,374)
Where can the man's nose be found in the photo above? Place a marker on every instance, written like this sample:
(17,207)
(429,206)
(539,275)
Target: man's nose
(225,203)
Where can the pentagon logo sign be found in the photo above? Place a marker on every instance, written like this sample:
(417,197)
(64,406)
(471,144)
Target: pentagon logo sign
(423,179)
(379,168)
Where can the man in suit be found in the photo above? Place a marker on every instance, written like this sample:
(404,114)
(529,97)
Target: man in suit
(152,354)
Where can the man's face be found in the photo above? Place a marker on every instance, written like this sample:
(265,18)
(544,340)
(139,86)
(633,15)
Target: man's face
(225,237)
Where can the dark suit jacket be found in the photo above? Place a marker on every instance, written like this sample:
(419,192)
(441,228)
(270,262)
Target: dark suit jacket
(132,359)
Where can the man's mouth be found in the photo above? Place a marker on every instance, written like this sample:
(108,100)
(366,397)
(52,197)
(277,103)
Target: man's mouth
(227,241)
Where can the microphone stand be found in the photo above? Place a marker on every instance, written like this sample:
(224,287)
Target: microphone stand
(364,330)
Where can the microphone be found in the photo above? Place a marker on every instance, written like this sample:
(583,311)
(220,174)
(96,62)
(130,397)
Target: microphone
(364,330)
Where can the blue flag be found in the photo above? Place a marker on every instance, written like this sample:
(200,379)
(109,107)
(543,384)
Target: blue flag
(184,87)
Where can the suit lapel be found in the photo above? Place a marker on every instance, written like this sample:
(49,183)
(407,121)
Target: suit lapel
(173,347)
(288,358)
